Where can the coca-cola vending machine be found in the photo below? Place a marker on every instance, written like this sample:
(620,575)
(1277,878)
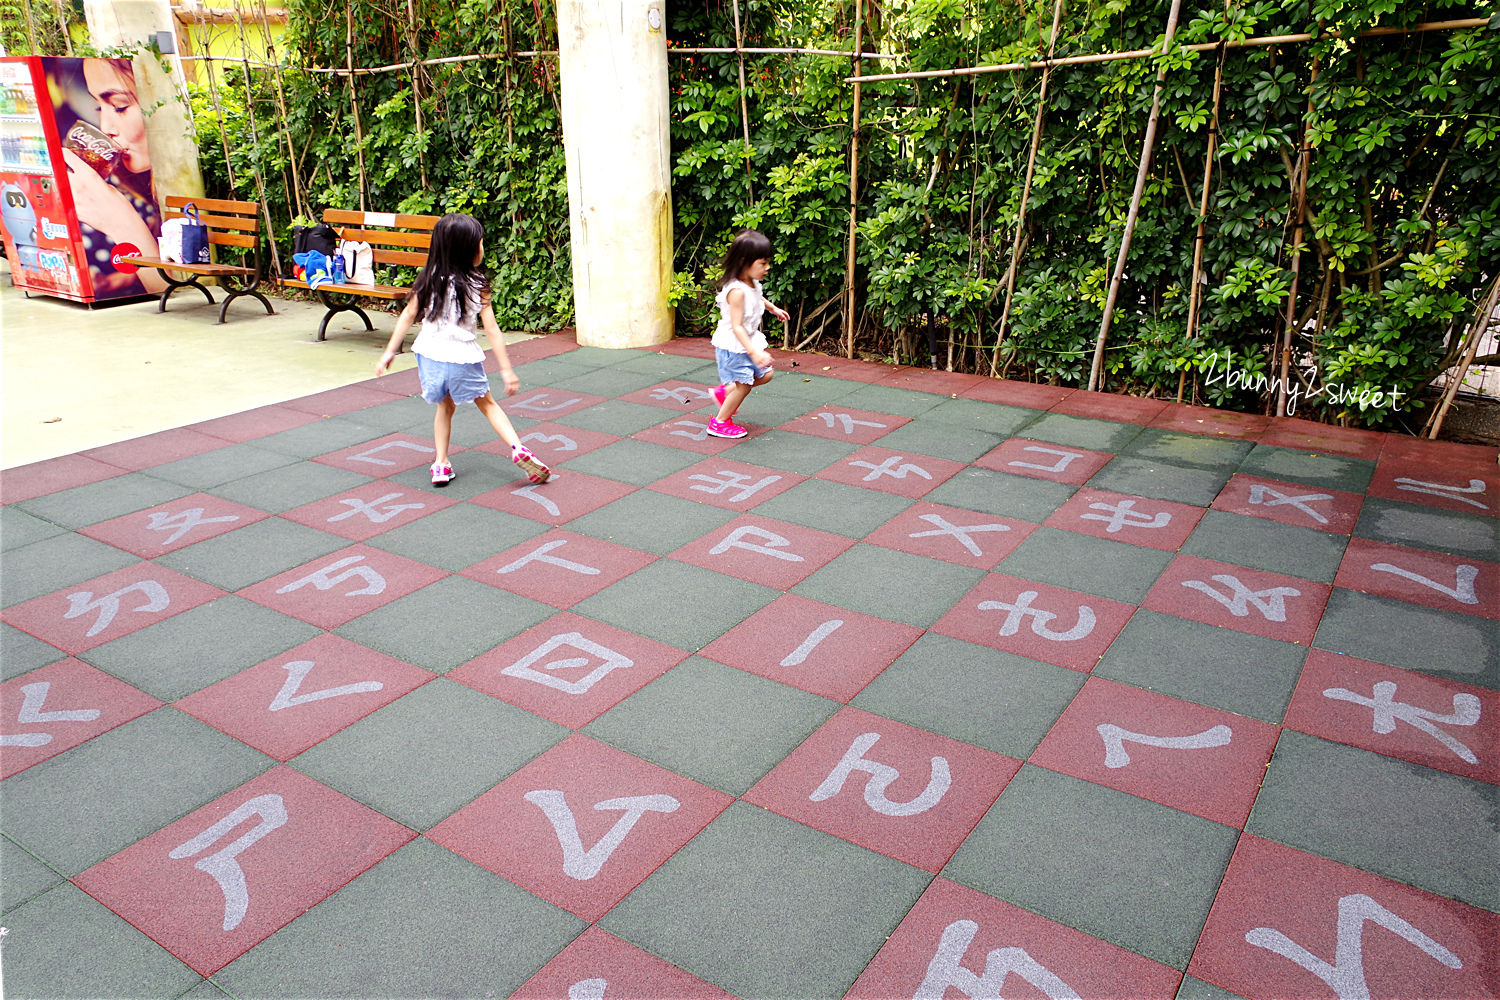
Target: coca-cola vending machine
(76,190)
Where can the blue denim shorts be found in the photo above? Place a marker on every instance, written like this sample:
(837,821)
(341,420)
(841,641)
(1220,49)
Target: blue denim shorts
(442,379)
(736,366)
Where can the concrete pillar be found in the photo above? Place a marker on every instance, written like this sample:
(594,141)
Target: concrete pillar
(617,141)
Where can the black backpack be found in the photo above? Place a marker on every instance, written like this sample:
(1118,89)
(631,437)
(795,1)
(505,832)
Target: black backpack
(320,237)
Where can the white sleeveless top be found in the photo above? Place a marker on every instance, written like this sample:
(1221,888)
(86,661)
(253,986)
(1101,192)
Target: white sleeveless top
(755,308)
(444,337)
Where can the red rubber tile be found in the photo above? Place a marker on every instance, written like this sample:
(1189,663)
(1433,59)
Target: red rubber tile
(548,404)
(842,423)
(1042,460)
(813,647)
(78,618)
(1111,406)
(553,443)
(1472,488)
(225,877)
(1045,623)
(687,347)
(1204,420)
(727,484)
(27,482)
(59,707)
(373,509)
(868,372)
(598,965)
(537,348)
(1430,721)
(1200,760)
(902,791)
(1435,579)
(252,424)
(1284,920)
(673,394)
(959,942)
(175,525)
(345,399)
(1309,435)
(532,828)
(339,587)
(569,669)
(559,567)
(1246,600)
(772,553)
(155,449)
(384,456)
(403,383)
(952,535)
(1156,524)
(690,433)
(1401,448)
(290,702)
(910,476)
(1031,395)
(1296,504)
(557,501)
(943,383)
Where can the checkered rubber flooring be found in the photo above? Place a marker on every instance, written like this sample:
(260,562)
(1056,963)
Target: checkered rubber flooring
(933,686)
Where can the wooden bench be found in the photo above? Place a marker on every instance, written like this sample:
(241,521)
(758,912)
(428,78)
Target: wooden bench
(230,224)
(393,239)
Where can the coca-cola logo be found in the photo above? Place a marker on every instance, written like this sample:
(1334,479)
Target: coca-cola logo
(96,144)
(125,250)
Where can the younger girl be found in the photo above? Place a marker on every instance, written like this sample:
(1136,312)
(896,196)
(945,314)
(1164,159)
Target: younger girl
(739,344)
(451,298)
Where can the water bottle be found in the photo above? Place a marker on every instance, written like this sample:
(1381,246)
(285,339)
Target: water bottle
(338,269)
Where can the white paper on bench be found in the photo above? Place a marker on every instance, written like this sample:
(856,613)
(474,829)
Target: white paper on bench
(380,219)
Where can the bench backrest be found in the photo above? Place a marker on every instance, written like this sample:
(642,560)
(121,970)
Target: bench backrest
(230,223)
(393,239)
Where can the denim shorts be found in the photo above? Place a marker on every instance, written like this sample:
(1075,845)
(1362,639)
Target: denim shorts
(736,366)
(442,379)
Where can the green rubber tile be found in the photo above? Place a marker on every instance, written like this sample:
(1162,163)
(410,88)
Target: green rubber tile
(446,624)
(388,418)
(477,471)
(1081,432)
(253,553)
(765,409)
(424,922)
(789,452)
(21,653)
(607,382)
(22,877)
(1338,472)
(681,605)
(804,383)
(1459,647)
(1429,528)
(1130,871)
(95,800)
(67,944)
(650,522)
(457,537)
(1199,450)
(205,990)
(1424,827)
(951,441)
(1089,565)
(1008,703)
(991,418)
(290,486)
(236,461)
(882,399)
(18,528)
(548,372)
(1235,671)
(668,366)
(188,652)
(596,357)
(836,508)
(38,569)
(1151,477)
(85,505)
(893,585)
(429,753)
(636,462)
(615,417)
(762,906)
(1003,494)
(1197,989)
(1269,545)
(697,719)
(323,436)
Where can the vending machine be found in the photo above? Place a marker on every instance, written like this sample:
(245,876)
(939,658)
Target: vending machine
(75,177)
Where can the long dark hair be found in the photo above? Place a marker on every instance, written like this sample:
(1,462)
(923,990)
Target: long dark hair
(748,247)
(450,269)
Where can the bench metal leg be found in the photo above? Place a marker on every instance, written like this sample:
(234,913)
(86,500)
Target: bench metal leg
(338,307)
(224,309)
(173,284)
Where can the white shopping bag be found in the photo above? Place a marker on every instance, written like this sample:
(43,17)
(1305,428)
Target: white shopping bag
(169,244)
(359,262)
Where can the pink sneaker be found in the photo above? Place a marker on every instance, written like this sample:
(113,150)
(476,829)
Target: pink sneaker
(725,429)
(442,474)
(719,394)
(536,470)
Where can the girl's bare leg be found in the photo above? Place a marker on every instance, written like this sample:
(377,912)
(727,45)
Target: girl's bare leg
(498,420)
(733,397)
(442,428)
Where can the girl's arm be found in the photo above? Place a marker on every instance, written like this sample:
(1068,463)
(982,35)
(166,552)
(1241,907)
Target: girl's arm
(403,323)
(736,300)
(777,311)
(497,344)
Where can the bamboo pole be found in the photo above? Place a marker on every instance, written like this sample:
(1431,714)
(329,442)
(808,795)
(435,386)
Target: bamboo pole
(297,205)
(283,134)
(260,187)
(1096,373)
(62,26)
(1036,140)
(859,28)
(739,42)
(416,85)
(359,135)
(1477,330)
(1195,289)
(30,27)
(1304,166)
(213,91)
